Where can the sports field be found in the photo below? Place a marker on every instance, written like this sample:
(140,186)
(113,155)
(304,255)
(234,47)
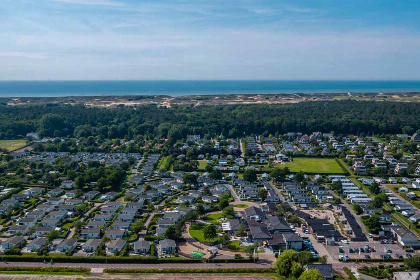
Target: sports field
(314,165)
(11,145)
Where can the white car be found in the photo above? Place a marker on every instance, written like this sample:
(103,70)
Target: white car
(345,241)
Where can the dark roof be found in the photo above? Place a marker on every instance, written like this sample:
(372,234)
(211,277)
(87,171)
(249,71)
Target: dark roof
(292,237)
(324,269)
(260,232)
(251,211)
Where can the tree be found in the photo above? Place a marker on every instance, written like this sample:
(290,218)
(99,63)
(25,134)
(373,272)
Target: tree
(413,262)
(225,239)
(374,188)
(296,269)
(299,177)
(293,219)
(357,209)
(311,274)
(228,212)
(78,225)
(241,232)
(278,174)
(136,226)
(373,224)
(170,233)
(210,232)
(323,259)
(216,174)
(53,234)
(337,186)
(190,179)
(285,261)
(250,175)
(304,257)
(200,210)
(81,208)
(262,193)
(102,184)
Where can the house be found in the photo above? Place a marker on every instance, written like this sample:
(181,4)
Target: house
(209,199)
(18,230)
(142,247)
(277,224)
(68,184)
(185,199)
(259,233)
(167,246)
(90,233)
(233,225)
(11,242)
(91,194)
(325,269)
(116,245)
(405,238)
(42,231)
(293,241)
(254,213)
(36,244)
(55,192)
(67,245)
(27,221)
(121,225)
(91,245)
(115,233)
(50,222)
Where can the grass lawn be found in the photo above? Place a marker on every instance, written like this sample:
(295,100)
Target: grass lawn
(198,234)
(242,205)
(165,163)
(11,145)
(202,164)
(214,217)
(314,165)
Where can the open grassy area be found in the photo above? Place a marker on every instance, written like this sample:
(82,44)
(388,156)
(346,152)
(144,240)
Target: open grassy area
(314,165)
(196,232)
(202,164)
(242,205)
(214,217)
(11,145)
(164,163)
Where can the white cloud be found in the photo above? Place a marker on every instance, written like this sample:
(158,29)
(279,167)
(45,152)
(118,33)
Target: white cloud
(23,55)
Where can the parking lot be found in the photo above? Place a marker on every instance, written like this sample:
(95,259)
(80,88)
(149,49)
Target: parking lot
(379,249)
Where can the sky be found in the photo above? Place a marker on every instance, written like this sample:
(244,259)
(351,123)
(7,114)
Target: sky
(209,40)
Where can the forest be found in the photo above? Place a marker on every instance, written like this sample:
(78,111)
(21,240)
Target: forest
(355,117)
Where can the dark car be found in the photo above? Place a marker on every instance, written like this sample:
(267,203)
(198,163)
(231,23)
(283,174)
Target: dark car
(367,256)
(408,255)
(340,250)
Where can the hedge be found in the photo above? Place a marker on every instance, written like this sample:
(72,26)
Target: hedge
(349,273)
(189,270)
(45,269)
(375,260)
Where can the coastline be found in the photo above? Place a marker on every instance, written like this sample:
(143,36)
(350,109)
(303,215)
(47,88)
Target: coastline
(200,100)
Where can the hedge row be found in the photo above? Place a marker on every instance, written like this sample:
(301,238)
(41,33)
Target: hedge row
(97,259)
(375,260)
(45,269)
(189,270)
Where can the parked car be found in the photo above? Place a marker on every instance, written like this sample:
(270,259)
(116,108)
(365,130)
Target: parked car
(367,256)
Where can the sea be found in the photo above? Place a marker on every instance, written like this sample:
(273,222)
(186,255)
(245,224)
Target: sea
(196,87)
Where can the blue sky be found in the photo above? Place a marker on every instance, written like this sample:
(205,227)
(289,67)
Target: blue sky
(184,40)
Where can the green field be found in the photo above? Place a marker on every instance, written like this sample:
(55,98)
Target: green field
(202,164)
(198,233)
(314,165)
(11,145)
(214,217)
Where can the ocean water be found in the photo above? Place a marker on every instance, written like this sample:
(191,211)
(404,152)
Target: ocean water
(179,88)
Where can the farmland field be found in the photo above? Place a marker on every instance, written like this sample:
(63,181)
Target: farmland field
(11,145)
(314,165)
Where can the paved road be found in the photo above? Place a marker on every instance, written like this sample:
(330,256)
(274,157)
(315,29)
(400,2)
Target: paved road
(233,192)
(151,216)
(130,265)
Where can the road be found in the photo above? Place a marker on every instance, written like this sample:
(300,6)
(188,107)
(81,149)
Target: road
(348,206)
(150,218)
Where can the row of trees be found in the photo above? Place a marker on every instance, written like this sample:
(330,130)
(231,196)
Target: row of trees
(231,120)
